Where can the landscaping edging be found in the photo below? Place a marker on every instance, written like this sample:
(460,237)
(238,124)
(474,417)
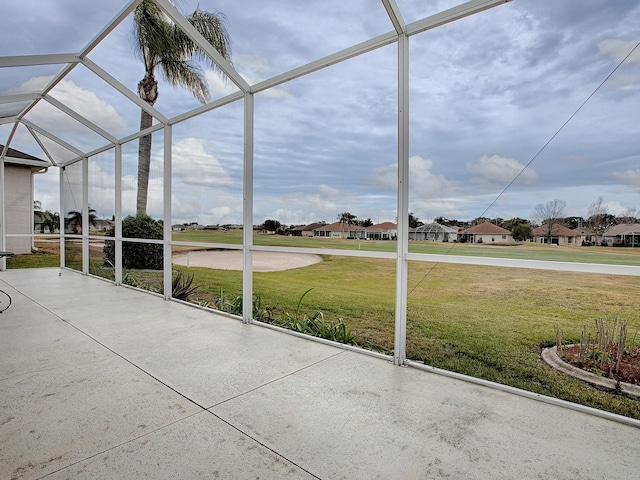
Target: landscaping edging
(551,358)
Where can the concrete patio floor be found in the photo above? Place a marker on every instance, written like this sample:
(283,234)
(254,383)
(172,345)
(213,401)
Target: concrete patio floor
(99,381)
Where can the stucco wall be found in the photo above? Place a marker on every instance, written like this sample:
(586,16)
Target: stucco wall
(18,207)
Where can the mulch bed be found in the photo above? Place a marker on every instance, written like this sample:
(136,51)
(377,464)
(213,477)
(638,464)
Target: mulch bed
(628,371)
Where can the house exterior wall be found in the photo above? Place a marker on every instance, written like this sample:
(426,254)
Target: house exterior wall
(491,238)
(18,208)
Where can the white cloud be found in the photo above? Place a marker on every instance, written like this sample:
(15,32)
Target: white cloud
(423,183)
(500,170)
(619,49)
(253,69)
(630,177)
(82,101)
(193,165)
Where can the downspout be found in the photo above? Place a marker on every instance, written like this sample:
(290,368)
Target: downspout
(34,172)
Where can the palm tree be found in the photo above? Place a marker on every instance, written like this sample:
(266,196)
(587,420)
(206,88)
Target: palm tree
(75,220)
(163,45)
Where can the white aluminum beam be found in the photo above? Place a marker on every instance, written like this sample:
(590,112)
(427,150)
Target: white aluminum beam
(166,211)
(395,15)
(76,116)
(452,14)
(54,138)
(347,53)
(402,244)
(234,97)
(211,52)
(118,215)
(110,27)
(124,90)
(31,60)
(44,149)
(19,97)
(247,210)
(85,216)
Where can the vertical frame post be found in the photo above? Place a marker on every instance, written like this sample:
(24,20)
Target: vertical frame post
(118,215)
(247,209)
(400,342)
(166,209)
(62,239)
(85,216)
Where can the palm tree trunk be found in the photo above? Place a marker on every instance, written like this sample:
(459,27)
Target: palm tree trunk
(144,163)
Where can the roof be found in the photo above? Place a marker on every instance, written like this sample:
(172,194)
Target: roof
(308,228)
(487,228)
(384,227)
(557,230)
(623,229)
(20,158)
(435,227)
(339,227)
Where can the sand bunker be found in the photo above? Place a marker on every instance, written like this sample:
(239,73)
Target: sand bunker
(232,260)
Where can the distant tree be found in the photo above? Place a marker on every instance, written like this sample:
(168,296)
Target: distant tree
(134,254)
(521,232)
(479,220)
(451,223)
(550,214)
(74,224)
(574,222)
(599,219)
(414,221)
(271,225)
(50,220)
(629,215)
(347,218)
(366,223)
(520,228)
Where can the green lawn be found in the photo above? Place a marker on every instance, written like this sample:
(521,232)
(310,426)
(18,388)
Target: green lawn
(487,322)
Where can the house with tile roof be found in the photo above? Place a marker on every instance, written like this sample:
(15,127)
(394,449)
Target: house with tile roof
(340,230)
(486,232)
(306,230)
(19,170)
(382,231)
(558,235)
(623,235)
(434,232)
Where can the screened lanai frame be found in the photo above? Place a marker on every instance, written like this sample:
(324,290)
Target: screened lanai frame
(399,35)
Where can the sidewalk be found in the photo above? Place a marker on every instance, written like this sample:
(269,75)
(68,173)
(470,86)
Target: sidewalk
(104,382)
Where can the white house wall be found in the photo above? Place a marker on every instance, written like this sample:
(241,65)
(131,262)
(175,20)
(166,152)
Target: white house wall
(18,208)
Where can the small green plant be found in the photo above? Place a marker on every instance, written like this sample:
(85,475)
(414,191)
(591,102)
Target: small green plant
(603,354)
(182,287)
(315,325)
(261,311)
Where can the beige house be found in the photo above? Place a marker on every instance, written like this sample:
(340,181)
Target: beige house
(560,235)
(340,230)
(382,231)
(306,230)
(486,232)
(17,198)
(623,235)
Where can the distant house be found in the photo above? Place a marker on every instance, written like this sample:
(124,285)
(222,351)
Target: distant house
(625,234)
(434,232)
(19,170)
(584,236)
(560,235)
(486,232)
(382,231)
(306,230)
(340,230)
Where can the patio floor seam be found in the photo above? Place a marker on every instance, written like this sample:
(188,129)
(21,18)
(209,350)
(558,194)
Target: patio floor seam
(202,408)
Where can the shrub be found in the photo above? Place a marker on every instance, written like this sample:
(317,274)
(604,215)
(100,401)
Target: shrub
(137,255)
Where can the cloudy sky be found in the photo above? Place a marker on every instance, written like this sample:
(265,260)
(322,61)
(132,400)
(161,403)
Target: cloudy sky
(497,122)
